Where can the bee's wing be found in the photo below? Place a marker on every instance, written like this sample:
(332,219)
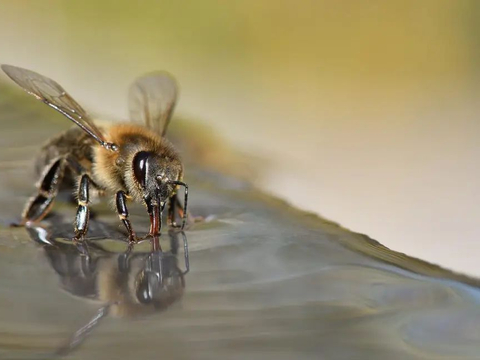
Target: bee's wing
(52,94)
(152,98)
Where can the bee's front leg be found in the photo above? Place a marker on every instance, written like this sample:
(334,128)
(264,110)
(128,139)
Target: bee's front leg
(172,205)
(83,213)
(175,208)
(121,203)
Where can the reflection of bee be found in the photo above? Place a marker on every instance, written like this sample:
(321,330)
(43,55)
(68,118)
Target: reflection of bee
(131,160)
(129,283)
(126,284)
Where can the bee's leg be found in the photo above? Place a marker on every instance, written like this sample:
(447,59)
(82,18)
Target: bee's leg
(79,170)
(121,202)
(175,207)
(38,206)
(172,204)
(83,213)
(156,219)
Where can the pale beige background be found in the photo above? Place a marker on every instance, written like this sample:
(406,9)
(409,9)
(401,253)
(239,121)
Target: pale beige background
(364,112)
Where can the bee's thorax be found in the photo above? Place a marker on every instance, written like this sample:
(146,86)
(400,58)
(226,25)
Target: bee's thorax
(143,155)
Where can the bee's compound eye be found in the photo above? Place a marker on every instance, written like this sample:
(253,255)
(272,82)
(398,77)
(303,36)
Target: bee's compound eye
(143,295)
(143,292)
(140,167)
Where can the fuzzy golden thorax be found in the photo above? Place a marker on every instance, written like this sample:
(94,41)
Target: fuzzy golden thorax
(142,166)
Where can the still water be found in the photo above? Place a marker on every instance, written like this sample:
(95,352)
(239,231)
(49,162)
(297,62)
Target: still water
(261,280)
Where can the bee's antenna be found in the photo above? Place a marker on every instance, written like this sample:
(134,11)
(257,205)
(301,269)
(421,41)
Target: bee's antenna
(81,334)
(181,183)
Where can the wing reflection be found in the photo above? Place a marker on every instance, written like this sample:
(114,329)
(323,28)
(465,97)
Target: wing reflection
(127,283)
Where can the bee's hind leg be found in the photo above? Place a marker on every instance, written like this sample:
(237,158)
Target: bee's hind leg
(39,205)
(83,212)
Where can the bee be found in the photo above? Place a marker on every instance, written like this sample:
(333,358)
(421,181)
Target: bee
(130,160)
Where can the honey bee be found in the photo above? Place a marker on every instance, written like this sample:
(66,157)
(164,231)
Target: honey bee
(130,160)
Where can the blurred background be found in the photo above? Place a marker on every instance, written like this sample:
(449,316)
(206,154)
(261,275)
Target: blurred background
(366,113)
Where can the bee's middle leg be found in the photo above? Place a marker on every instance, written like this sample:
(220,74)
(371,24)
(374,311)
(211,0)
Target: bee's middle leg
(83,212)
(121,203)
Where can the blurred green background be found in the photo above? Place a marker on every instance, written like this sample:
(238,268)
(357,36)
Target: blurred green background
(365,112)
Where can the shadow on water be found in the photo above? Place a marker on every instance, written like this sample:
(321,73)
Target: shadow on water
(126,284)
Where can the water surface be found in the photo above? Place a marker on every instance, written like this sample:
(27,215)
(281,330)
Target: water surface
(266,281)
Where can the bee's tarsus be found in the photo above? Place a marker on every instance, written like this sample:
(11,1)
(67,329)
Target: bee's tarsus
(16,224)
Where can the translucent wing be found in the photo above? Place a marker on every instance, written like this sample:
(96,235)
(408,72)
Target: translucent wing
(52,94)
(152,99)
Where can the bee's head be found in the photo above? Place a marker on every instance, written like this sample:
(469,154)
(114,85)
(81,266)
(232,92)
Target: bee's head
(160,283)
(157,178)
